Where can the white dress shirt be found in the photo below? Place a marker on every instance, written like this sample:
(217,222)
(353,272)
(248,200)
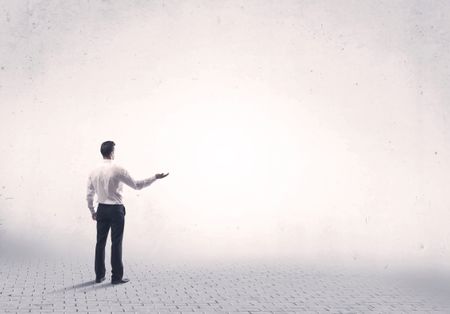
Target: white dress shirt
(106,181)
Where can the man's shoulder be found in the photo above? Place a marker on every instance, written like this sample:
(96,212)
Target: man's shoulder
(118,168)
(93,170)
(114,168)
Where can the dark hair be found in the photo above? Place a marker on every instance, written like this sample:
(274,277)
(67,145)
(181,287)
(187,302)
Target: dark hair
(107,148)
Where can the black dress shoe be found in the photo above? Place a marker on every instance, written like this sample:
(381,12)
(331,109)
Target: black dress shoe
(123,280)
(99,280)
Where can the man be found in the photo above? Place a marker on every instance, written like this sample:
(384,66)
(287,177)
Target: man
(106,181)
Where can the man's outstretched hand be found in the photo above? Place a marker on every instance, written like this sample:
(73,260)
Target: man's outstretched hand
(161,175)
(94,216)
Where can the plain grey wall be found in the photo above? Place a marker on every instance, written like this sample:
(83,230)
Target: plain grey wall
(311,129)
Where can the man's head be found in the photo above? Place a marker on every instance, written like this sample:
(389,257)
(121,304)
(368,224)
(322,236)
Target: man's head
(107,149)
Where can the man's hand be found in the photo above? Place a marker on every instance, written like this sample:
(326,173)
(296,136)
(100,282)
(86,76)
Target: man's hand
(161,175)
(94,216)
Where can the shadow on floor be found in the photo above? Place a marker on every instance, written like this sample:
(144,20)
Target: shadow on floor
(81,286)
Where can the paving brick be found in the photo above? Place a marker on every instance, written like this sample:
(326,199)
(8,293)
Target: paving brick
(43,286)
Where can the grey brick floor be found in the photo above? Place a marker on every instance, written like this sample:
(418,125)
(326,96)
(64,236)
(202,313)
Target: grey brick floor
(62,285)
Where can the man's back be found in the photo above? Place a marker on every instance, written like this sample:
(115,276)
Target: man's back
(107,179)
(106,182)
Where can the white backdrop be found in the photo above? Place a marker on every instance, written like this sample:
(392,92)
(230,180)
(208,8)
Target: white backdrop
(309,129)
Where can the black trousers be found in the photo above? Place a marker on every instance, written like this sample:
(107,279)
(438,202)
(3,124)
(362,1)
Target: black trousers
(109,216)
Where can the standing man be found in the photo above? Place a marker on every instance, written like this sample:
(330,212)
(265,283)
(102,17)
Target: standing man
(106,181)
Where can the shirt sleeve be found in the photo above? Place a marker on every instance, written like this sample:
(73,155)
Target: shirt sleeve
(126,178)
(90,195)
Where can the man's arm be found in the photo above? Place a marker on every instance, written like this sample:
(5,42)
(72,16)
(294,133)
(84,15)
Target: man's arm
(90,195)
(126,178)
